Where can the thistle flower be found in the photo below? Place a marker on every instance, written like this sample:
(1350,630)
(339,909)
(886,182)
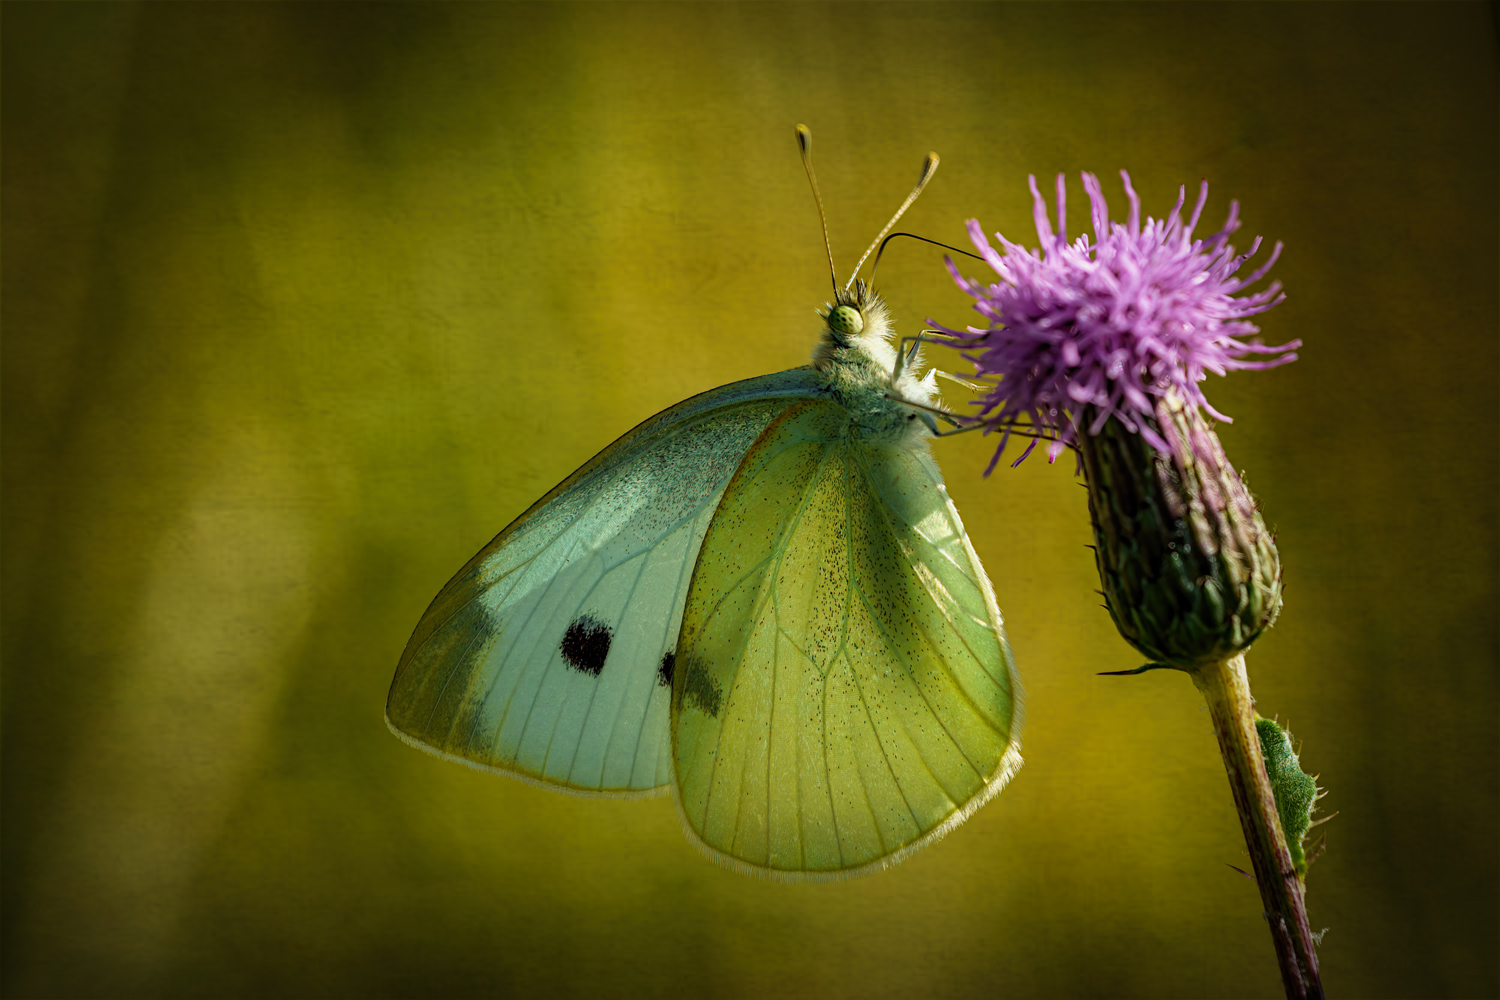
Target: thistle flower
(1102,343)
(1112,324)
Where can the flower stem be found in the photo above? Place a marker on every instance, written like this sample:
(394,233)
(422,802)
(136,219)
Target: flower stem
(1227,689)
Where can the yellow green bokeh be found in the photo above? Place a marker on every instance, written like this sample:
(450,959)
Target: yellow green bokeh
(304,302)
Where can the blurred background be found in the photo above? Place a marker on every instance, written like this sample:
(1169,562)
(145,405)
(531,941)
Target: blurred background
(304,302)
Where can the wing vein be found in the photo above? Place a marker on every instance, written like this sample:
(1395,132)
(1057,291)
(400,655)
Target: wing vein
(458,662)
(620,706)
(522,670)
(914,561)
(844,641)
(598,680)
(771,723)
(775,556)
(911,668)
(902,723)
(452,670)
(833,813)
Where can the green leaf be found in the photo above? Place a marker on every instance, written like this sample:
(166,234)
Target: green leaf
(1295,791)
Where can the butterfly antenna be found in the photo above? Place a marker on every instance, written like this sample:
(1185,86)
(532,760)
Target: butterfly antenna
(876,266)
(804,144)
(929,167)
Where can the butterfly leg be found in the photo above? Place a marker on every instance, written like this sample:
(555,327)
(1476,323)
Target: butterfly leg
(905,357)
(961,424)
(927,412)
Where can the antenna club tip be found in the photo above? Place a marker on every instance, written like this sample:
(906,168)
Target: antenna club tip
(804,138)
(930,165)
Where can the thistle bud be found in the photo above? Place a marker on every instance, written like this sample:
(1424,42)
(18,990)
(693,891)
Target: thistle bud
(1190,574)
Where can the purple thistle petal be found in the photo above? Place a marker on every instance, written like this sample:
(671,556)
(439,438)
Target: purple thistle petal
(1198,209)
(1029,449)
(1062,209)
(1261,271)
(1133,225)
(1039,214)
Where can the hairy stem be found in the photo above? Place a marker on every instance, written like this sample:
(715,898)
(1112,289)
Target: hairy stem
(1227,689)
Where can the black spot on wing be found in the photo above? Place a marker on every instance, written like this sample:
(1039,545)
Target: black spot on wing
(664,672)
(702,691)
(585,645)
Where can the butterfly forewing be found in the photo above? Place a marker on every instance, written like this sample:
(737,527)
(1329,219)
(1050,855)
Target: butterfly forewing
(844,691)
(551,654)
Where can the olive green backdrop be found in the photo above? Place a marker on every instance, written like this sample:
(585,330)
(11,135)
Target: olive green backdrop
(303,303)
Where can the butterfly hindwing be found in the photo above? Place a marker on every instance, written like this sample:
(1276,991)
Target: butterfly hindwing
(551,654)
(844,689)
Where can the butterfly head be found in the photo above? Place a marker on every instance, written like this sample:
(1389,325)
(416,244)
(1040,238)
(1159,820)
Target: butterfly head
(856,317)
(856,336)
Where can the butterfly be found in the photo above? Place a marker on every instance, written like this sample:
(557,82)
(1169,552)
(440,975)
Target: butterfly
(762,598)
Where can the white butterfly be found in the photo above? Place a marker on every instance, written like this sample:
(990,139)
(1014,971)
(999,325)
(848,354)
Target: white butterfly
(762,597)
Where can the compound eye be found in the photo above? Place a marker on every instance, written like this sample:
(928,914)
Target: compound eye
(846,319)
